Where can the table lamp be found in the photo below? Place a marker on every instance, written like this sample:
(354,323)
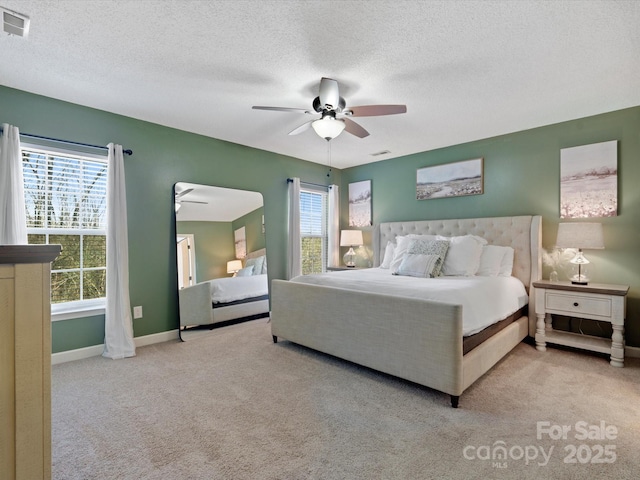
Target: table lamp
(233,266)
(581,236)
(350,238)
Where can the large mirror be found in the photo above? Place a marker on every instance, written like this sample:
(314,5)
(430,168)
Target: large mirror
(221,257)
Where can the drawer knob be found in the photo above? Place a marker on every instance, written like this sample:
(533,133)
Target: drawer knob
(575,304)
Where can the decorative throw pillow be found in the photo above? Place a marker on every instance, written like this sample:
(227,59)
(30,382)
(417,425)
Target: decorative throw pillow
(463,256)
(418,265)
(388,255)
(256,263)
(428,247)
(245,272)
(402,243)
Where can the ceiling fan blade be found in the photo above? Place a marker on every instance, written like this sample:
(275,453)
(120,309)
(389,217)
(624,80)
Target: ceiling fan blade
(375,110)
(354,129)
(183,193)
(302,128)
(329,93)
(282,109)
(194,201)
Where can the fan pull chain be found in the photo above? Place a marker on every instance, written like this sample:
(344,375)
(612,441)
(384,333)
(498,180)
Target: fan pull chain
(329,155)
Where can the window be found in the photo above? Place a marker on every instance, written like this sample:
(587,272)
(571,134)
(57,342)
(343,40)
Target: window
(313,230)
(66,203)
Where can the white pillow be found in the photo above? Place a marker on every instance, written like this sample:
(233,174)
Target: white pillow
(402,243)
(418,265)
(388,255)
(490,260)
(463,256)
(496,261)
(245,272)
(506,266)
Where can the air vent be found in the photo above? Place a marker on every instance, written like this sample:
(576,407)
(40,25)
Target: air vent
(381,152)
(14,23)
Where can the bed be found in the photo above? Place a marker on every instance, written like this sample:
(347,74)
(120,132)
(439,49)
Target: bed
(227,299)
(417,339)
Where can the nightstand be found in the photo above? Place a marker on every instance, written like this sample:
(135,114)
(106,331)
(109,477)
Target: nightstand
(596,301)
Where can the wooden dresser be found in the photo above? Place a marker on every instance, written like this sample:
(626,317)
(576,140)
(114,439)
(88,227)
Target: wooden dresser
(25,361)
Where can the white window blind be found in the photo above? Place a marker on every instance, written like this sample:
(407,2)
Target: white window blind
(66,203)
(313,230)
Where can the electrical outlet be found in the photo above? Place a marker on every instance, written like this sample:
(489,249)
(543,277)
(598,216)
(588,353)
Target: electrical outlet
(137,312)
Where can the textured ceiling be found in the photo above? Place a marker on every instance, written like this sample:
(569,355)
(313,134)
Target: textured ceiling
(465,69)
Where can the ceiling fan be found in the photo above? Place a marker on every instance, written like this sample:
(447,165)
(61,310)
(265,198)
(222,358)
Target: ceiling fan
(179,201)
(334,113)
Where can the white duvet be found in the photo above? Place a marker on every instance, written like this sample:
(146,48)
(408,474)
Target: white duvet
(484,300)
(231,289)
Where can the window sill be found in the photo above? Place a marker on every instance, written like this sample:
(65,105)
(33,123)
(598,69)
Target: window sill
(71,310)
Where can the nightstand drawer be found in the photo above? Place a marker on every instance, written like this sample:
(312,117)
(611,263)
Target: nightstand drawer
(575,305)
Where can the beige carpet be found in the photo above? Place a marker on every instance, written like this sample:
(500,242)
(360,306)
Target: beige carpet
(234,405)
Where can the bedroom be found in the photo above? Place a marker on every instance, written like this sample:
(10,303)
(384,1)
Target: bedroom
(521,169)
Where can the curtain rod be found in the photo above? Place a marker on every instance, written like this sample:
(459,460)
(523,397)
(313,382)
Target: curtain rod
(69,142)
(289,180)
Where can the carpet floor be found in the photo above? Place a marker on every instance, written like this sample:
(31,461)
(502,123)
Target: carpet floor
(231,404)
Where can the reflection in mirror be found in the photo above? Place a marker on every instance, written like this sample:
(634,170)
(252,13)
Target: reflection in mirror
(221,257)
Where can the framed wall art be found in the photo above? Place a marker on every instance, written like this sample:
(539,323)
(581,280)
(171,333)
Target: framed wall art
(589,180)
(360,204)
(240,237)
(450,180)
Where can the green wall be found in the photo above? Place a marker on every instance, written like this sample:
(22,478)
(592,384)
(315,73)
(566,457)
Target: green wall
(213,246)
(252,222)
(161,157)
(522,176)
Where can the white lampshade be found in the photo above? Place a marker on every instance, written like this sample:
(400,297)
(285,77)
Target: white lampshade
(351,238)
(581,236)
(234,265)
(328,127)
(585,236)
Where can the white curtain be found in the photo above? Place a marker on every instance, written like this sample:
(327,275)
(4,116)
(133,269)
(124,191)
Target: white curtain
(13,216)
(294,245)
(118,328)
(333,227)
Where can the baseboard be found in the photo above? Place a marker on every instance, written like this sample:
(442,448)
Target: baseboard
(632,352)
(96,350)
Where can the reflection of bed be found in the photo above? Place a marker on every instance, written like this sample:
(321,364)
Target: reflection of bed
(414,338)
(226,299)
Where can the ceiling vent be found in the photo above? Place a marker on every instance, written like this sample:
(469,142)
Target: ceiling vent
(14,23)
(382,152)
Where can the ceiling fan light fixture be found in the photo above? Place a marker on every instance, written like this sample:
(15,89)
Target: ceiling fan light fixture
(328,127)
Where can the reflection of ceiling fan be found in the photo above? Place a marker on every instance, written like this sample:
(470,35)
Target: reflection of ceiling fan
(179,201)
(335,115)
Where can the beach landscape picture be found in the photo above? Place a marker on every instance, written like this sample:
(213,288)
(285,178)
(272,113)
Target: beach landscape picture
(450,180)
(589,180)
(360,204)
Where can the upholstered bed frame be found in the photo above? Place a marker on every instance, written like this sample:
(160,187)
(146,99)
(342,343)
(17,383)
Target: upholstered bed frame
(196,307)
(417,340)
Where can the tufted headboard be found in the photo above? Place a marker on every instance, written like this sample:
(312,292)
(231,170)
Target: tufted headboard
(523,233)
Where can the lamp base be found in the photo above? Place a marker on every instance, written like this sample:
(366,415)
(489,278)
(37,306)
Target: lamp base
(579,282)
(350,258)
